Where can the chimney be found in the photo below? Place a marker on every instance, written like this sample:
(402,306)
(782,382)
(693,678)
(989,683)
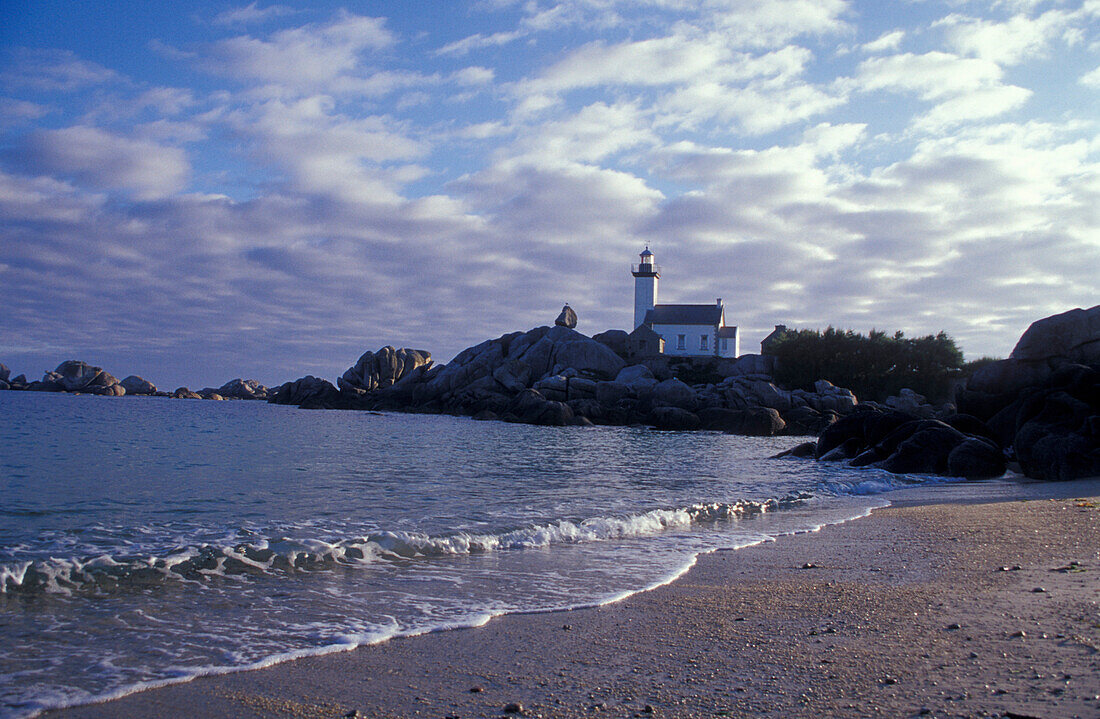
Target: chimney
(719,303)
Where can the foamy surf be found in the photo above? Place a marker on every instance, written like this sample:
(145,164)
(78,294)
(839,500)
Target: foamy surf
(136,566)
(284,555)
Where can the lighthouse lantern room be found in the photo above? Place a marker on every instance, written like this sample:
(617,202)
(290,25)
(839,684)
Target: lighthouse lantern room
(646,274)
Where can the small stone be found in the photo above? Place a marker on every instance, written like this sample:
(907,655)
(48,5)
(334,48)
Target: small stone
(476,690)
(567,627)
(648,709)
(973,655)
(952,627)
(809,565)
(889,681)
(1019,634)
(513,708)
(1038,590)
(353,714)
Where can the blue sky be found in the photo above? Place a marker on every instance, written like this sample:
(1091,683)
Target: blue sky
(199,191)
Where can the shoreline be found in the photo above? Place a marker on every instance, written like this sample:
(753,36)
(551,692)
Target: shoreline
(903,611)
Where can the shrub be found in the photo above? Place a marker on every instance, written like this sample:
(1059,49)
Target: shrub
(873,366)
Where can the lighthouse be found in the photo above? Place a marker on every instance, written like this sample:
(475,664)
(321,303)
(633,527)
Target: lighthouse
(646,275)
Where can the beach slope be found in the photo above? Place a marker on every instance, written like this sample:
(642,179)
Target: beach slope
(959,600)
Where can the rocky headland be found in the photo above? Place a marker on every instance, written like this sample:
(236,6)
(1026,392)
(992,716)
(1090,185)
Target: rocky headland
(558,376)
(1039,410)
(80,377)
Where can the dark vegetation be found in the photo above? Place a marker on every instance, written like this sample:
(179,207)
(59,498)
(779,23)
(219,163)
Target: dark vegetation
(873,367)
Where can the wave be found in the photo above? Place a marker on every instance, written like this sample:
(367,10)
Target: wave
(283,555)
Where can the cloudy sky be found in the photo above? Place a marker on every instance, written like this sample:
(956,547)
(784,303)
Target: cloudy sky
(200,191)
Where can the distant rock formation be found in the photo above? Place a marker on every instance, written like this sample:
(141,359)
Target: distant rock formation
(382,369)
(557,376)
(567,318)
(242,389)
(309,392)
(138,385)
(77,376)
(184,393)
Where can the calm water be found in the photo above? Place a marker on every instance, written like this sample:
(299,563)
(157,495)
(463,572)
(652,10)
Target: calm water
(147,540)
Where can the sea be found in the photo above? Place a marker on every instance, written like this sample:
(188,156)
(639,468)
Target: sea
(146,541)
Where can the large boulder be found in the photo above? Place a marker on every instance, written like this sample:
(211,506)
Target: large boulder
(567,318)
(5,373)
(1072,336)
(572,350)
(976,458)
(137,385)
(184,393)
(925,451)
(615,340)
(77,376)
(243,389)
(307,390)
(382,369)
(1043,403)
(531,407)
(674,393)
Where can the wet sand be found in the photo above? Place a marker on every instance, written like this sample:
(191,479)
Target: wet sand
(959,600)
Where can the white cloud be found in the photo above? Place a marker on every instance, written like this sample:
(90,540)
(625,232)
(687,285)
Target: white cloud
(1007,43)
(329,153)
(977,104)
(252,14)
(887,42)
(308,56)
(476,42)
(1091,79)
(107,161)
(474,76)
(53,70)
(14,111)
(932,76)
(589,136)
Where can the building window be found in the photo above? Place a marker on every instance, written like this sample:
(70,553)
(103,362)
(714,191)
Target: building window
(680,340)
(703,342)
(725,344)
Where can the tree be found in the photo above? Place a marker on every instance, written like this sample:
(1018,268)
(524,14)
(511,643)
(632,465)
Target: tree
(873,367)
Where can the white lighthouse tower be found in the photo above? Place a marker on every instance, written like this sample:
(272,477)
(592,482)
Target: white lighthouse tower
(646,275)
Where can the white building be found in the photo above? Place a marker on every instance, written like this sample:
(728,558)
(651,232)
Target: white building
(686,330)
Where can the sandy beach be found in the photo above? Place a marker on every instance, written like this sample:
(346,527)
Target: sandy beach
(964,600)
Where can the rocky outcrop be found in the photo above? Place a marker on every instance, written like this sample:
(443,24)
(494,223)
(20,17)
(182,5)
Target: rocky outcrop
(1043,403)
(904,443)
(241,389)
(309,392)
(382,369)
(5,373)
(184,393)
(1040,409)
(615,340)
(1072,336)
(77,376)
(138,385)
(567,318)
(557,376)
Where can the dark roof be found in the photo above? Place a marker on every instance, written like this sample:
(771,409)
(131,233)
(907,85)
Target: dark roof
(728,332)
(644,332)
(709,315)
